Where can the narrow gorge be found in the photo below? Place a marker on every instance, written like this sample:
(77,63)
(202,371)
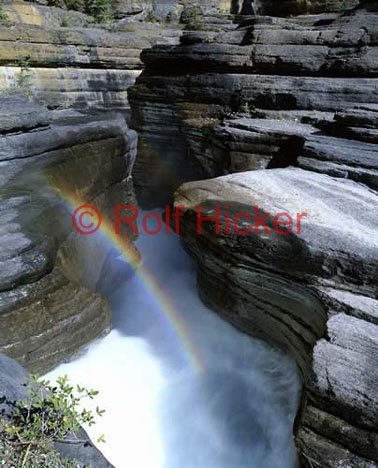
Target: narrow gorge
(225,153)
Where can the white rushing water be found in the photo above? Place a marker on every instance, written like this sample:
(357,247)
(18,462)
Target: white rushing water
(160,411)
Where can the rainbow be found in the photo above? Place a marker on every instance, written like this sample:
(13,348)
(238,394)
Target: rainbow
(129,252)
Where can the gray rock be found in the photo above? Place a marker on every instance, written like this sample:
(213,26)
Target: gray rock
(320,453)
(356,305)
(51,164)
(360,441)
(296,7)
(345,47)
(64,61)
(312,292)
(304,68)
(85,453)
(12,378)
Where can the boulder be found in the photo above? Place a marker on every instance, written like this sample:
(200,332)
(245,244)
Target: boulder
(292,256)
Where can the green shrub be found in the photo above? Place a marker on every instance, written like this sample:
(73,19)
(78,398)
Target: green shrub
(49,414)
(151,18)
(4,19)
(209,40)
(74,4)
(246,109)
(101,10)
(24,81)
(70,4)
(192,17)
(68,22)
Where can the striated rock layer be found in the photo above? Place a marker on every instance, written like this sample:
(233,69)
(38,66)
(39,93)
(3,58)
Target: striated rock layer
(305,279)
(187,102)
(65,60)
(300,7)
(293,101)
(52,162)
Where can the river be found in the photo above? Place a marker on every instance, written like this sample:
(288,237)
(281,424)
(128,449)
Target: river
(181,387)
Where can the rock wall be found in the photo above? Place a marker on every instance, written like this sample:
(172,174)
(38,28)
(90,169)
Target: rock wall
(313,293)
(316,70)
(301,7)
(294,102)
(51,162)
(64,60)
(267,94)
(165,10)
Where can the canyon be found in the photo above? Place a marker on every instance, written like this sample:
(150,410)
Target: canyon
(275,106)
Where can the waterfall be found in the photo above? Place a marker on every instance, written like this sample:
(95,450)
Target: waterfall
(235,410)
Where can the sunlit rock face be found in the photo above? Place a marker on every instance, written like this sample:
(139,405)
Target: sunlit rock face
(313,79)
(38,14)
(312,292)
(66,60)
(249,104)
(70,68)
(50,163)
(165,10)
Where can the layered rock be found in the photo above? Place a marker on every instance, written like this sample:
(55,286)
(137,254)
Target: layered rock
(22,12)
(306,279)
(70,68)
(270,94)
(165,10)
(65,60)
(52,162)
(242,144)
(302,69)
(300,7)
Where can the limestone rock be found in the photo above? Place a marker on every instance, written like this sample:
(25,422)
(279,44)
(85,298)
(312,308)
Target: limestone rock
(314,70)
(65,60)
(311,289)
(22,12)
(298,7)
(270,94)
(49,164)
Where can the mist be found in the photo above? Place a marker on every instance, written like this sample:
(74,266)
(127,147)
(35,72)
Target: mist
(237,411)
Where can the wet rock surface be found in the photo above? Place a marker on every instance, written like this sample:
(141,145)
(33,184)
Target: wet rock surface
(50,164)
(313,293)
(262,95)
(293,101)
